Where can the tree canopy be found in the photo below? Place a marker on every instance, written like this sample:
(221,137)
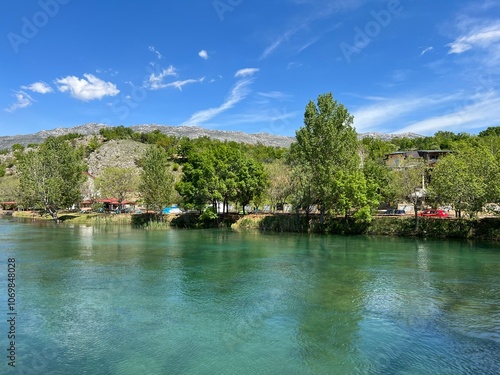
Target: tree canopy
(51,176)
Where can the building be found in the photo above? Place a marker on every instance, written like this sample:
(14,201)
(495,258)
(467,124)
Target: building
(397,159)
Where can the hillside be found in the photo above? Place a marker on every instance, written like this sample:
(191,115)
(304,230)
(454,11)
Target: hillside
(6,142)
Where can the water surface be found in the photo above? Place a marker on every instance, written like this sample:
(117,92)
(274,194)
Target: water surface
(117,300)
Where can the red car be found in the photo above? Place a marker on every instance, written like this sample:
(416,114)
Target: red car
(433,213)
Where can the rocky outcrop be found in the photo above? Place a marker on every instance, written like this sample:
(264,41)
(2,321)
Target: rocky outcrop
(116,154)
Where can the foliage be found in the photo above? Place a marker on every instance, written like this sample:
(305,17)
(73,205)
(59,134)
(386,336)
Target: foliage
(407,183)
(280,182)
(325,158)
(466,180)
(17,147)
(118,183)
(50,177)
(9,189)
(93,145)
(220,173)
(209,215)
(156,186)
(116,133)
(492,130)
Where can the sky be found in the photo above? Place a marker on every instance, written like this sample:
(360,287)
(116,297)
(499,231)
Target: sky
(249,65)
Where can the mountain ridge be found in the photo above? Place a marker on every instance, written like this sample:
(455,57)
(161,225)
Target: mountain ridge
(267,139)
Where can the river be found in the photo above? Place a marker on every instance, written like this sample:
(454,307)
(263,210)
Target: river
(118,300)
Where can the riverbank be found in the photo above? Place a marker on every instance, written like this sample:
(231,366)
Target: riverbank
(487,228)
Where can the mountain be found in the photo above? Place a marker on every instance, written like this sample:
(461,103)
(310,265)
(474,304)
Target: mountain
(6,142)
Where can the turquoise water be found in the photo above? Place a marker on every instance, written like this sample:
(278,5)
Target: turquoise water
(117,300)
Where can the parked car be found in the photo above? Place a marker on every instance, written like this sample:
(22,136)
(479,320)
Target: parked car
(392,212)
(433,213)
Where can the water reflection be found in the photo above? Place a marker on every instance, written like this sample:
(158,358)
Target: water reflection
(122,300)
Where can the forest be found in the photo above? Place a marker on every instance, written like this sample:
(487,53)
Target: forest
(327,171)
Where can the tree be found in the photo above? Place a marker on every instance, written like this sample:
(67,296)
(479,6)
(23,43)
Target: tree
(252,181)
(325,150)
(51,177)
(280,182)
(118,183)
(466,180)
(220,172)
(408,183)
(157,180)
(9,189)
(198,184)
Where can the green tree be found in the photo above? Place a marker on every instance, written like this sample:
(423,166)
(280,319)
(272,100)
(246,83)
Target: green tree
(325,150)
(280,182)
(118,183)
(198,184)
(466,180)
(157,181)
(408,183)
(252,181)
(9,189)
(51,177)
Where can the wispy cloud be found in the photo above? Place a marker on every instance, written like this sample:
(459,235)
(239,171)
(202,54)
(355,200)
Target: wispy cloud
(246,72)
(480,37)
(180,84)
(203,54)
(88,88)
(274,95)
(238,92)
(479,115)
(155,81)
(23,100)
(384,113)
(321,10)
(426,50)
(156,52)
(39,87)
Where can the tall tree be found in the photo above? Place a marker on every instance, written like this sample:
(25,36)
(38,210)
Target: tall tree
(252,181)
(326,148)
(280,182)
(157,180)
(408,183)
(118,183)
(467,180)
(51,177)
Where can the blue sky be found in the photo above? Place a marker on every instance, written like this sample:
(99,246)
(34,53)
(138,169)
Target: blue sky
(397,65)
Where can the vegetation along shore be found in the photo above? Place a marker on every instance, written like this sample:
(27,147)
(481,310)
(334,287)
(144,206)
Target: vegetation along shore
(328,180)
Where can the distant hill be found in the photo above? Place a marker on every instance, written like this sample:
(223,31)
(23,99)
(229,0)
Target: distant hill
(6,142)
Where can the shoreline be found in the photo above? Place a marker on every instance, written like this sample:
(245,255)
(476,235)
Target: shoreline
(485,228)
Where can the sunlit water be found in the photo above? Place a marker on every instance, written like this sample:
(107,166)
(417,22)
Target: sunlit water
(117,300)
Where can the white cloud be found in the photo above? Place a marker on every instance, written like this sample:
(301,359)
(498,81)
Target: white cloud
(383,114)
(180,84)
(480,37)
(38,87)
(274,95)
(246,72)
(426,50)
(322,9)
(23,100)
(239,92)
(155,51)
(88,88)
(478,115)
(155,81)
(203,54)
